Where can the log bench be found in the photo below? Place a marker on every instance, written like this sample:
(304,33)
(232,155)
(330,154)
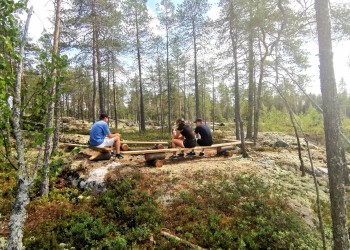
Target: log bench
(124,145)
(155,157)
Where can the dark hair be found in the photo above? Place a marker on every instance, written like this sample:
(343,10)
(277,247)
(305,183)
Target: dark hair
(103,116)
(198,120)
(180,121)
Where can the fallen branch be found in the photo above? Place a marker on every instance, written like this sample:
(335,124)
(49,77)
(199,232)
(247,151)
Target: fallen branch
(182,241)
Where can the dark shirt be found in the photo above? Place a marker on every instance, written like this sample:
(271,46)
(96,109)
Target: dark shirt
(186,131)
(205,133)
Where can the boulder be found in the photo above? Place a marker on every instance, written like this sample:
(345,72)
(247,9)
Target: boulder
(96,178)
(281,144)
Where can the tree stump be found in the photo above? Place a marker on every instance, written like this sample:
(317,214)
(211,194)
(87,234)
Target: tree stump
(124,147)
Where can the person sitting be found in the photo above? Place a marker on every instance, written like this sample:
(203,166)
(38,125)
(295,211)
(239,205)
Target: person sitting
(101,137)
(183,137)
(202,131)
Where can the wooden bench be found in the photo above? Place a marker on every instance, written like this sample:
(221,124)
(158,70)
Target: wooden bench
(124,145)
(155,157)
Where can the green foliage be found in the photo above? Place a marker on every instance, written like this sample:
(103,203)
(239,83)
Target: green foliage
(8,188)
(81,230)
(134,210)
(243,213)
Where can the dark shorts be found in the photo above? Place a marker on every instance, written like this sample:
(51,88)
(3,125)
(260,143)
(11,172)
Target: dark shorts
(190,143)
(204,143)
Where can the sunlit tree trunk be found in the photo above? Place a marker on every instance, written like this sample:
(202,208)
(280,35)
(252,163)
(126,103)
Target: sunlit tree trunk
(18,212)
(335,153)
(50,109)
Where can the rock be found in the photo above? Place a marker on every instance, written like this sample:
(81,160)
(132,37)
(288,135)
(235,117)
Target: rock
(280,144)
(96,178)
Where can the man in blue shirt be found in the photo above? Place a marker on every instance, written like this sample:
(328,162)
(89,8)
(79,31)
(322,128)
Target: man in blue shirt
(101,137)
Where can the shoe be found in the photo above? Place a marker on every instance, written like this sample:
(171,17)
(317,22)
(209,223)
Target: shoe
(119,156)
(191,153)
(201,154)
(181,155)
(173,157)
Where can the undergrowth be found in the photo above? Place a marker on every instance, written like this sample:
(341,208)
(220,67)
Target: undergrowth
(222,212)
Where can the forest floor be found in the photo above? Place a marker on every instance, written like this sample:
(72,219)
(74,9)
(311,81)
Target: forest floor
(276,167)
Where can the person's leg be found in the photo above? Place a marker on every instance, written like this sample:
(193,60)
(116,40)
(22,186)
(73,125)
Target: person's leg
(117,144)
(177,143)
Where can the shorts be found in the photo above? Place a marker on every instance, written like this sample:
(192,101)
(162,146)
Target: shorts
(204,143)
(108,142)
(190,143)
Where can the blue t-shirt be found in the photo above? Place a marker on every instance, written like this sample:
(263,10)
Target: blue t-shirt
(98,133)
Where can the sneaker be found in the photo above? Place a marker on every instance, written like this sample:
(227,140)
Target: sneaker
(119,156)
(173,157)
(201,154)
(181,155)
(191,153)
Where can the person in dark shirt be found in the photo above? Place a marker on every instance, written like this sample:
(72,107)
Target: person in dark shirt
(202,131)
(100,136)
(183,137)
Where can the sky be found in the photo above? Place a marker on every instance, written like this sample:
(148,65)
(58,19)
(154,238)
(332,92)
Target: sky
(43,9)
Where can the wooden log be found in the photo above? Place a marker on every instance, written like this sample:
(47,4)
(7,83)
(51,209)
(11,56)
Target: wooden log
(222,150)
(124,147)
(171,150)
(100,156)
(102,150)
(155,156)
(182,241)
(155,163)
(145,142)
(228,153)
(159,146)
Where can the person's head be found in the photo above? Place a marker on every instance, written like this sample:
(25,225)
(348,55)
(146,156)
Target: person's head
(198,121)
(104,117)
(180,121)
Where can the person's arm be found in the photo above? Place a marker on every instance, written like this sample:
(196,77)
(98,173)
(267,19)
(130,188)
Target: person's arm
(113,135)
(177,134)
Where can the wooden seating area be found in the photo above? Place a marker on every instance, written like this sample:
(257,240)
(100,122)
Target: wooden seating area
(156,156)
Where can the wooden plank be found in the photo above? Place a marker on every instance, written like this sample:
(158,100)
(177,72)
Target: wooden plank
(102,150)
(171,150)
(145,142)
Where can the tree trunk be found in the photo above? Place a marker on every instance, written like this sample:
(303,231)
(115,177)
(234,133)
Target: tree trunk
(142,108)
(168,80)
(196,90)
(94,72)
(257,105)
(114,93)
(213,110)
(99,76)
(251,87)
(50,109)
(336,161)
(58,85)
(161,95)
(18,212)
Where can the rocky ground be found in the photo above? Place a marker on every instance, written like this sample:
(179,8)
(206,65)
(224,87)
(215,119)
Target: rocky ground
(275,160)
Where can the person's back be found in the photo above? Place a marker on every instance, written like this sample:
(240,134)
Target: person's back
(101,137)
(204,132)
(98,133)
